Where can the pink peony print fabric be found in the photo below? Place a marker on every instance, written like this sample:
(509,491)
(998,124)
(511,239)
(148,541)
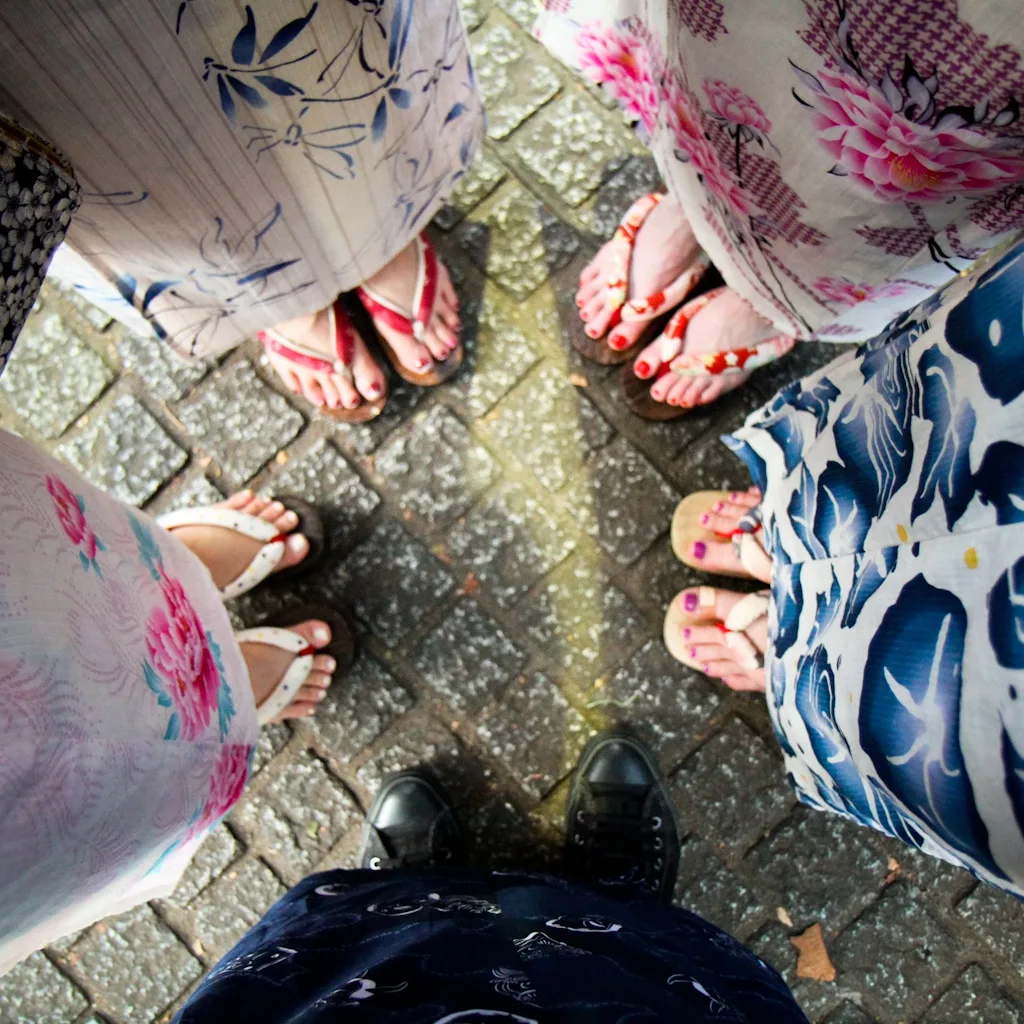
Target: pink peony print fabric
(839,160)
(127,721)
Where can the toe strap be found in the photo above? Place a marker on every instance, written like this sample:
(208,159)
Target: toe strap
(264,561)
(296,674)
(744,614)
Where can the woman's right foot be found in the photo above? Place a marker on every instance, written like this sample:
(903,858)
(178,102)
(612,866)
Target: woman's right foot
(722,518)
(323,387)
(665,246)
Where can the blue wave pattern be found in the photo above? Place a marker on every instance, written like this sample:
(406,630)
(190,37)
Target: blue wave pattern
(894,513)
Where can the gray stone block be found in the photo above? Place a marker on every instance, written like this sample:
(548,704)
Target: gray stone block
(486,174)
(191,490)
(235,417)
(124,451)
(233,904)
(35,992)
(467,659)
(999,918)
(358,709)
(418,744)
(973,997)
(271,742)
(709,888)
(638,176)
(219,849)
(434,467)
(536,734)
(164,373)
(136,963)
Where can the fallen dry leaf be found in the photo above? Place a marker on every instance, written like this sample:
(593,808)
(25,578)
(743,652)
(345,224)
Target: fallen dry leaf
(813,961)
(470,585)
(784,918)
(440,552)
(578,380)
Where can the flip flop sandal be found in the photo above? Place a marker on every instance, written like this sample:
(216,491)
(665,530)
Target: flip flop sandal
(637,392)
(265,560)
(384,311)
(744,614)
(274,633)
(746,538)
(344,345)
(650,310)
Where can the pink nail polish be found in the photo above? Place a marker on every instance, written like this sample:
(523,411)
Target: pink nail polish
(686,632)
(693,652)
(706,668)
(705,519)
(700,549)
(733,495)
(422,364)
(690,601)
(718,506)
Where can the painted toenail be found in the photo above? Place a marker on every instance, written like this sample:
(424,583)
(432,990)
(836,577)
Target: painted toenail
(705,519)
(706,668)
(687,632)
(584,316)
(718,506)
(700,549)
(643,370)
(321,634)
(373,388)
(693,652)
(733,495)
(690,601)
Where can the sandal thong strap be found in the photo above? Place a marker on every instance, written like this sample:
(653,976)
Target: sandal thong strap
(648,307)
(296,352)
(296,674)
(738,360)
(264,561)
(744,614)
(393,316)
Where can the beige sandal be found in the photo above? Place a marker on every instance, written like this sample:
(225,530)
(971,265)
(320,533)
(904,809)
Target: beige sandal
(744,614)
(687,531)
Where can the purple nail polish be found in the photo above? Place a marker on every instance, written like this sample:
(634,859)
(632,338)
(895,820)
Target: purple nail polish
(693,652)
(700,549)
(686,633)
(690,601)
(706,668)
(718,506)
(705,519)
(733,495)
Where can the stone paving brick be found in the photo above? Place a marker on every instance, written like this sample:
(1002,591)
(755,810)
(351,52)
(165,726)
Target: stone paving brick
(816,998)
(239,420)
(848,1013)
(513,86)
(973,997)
(638,176)
(52,376)
(434,467)
(536,734)
(234,903)
(999,918)
(622,500)
(323,477)
(486,174)
(190,491)
(419,744)
(166,374)
(136,963)
(550,424)
(392,581)
(124,451)
(516,240)
(509,540)
(497,356)
(733,788)
(820,868)
(523,11)
(580,619)
(918,952)
(572,147)
(666,704)
(363,438)
(271,742)
(298,816)
(709,888)
(467,659)
(35,992)
(358,708)
(219,849)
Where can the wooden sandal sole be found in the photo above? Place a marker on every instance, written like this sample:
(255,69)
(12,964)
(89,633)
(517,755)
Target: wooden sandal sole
(686,531)
(442,372)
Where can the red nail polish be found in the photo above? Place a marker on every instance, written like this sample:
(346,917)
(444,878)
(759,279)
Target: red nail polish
(584,316)
(643,370)
(617,342)
(374,388)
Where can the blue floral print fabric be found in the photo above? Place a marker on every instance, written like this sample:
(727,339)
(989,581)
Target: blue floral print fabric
(893,507)
(242,164)
(436,947)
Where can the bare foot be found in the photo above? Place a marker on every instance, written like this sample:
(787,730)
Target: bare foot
(396,282)
(703,639)
(267,665)
(725,324)
(665,246)
(722,519)
(325,387)
(227,553)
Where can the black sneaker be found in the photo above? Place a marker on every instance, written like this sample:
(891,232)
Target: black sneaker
(411,824)
(620,826)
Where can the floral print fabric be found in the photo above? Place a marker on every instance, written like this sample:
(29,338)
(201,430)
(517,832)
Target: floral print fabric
(839,160)
(893,510)
(242,164)
(126,717)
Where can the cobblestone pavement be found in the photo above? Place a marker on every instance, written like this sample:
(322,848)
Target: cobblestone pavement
(503,543)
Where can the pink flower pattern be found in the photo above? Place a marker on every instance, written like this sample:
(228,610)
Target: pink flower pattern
(841,291)
(180,654)
(731,104)
(230,774)
(70,511)
(620,61)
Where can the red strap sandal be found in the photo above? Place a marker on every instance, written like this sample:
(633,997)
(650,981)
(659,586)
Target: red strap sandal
(345,339)
(385,313)
(649,309)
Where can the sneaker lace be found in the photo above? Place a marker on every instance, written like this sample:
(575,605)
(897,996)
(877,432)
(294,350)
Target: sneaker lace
(620,846)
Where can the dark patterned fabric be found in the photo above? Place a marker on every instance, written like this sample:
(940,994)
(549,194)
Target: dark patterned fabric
(437,947)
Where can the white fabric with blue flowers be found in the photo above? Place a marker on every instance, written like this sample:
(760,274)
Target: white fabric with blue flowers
(893,508)
(241,164)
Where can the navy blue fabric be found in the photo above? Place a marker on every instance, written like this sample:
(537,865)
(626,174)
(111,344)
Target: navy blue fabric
(437,947)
